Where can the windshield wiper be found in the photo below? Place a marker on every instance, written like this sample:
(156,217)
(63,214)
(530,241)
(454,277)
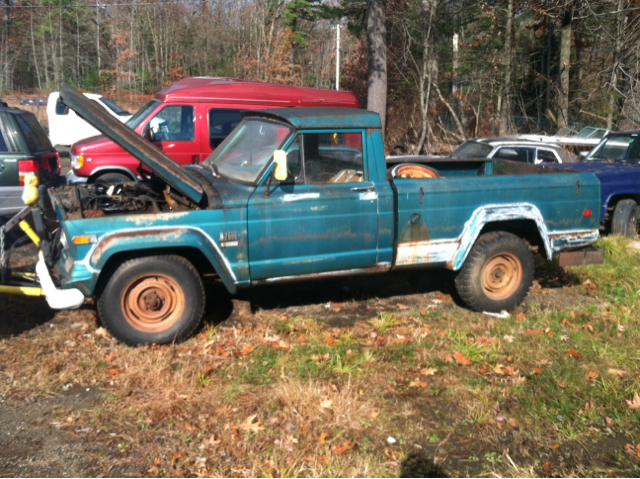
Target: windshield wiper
(214,170)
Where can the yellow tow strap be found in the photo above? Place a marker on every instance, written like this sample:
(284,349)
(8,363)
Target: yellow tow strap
(30,233)
(23,290)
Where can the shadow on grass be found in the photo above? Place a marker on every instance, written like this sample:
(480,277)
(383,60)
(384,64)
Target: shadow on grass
(419,464)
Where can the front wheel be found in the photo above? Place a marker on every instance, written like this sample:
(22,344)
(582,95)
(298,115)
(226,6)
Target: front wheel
(155,299)
(497,274)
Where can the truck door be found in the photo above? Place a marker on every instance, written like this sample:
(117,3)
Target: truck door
(173,129)
(323,218)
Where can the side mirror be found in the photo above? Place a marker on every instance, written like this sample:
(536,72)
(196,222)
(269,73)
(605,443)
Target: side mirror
(280,160)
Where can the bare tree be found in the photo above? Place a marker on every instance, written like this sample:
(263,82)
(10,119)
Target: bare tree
(377,77)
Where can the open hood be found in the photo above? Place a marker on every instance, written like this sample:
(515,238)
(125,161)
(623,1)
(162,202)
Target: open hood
(166,168)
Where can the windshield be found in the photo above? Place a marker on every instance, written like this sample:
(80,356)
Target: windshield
(142,113)
(617,148)
(472,149)
(245,153)
(113,107)
(566,131)
(34,134)
(585,132)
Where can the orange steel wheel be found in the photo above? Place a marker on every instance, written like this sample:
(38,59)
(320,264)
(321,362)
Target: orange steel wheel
(417,172)
(501,276)
(152,303)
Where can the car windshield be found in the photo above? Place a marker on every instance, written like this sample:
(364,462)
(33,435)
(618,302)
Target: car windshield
(113,107)
(566,131)
(617,148)
(472,149)
(246,152)
(141,114)
(586,132)
(34,134)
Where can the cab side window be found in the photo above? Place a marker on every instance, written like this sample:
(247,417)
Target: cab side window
(546,156)
(333,158)
(221,123)
(522,155)
(61,108)
(174,122)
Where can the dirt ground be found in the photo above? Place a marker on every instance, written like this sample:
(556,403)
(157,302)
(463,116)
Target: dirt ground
(69,427)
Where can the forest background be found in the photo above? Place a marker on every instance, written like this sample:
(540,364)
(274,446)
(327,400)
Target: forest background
(438,71)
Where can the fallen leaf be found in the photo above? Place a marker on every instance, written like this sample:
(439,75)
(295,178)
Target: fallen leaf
(110,356)
(393,455)
(448,357)
(620,328)
(554,446)
(566,322)
(462,359)
(374,414)
(574,353)
(323,438)
(510,371)
(508,338)
(616,372)
(592,375)
(402,306)
(521,315)
(301,339)
(548,467)
(532,332)
(537,371)
(113,372)
(635,402)
(498,368)
(248,349)
(283,345)
(190,427)
(249,425)
(589,327)
(417,384)
(609,422)
(513,422)
(428,371)
(483,369)
(565,339)
(326,404)
(178,456)
(340,450)
(102,333)
(329,340)
(350,353)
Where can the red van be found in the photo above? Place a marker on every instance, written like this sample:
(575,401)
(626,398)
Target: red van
(189,120)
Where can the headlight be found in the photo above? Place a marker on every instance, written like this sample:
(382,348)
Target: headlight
(77,162)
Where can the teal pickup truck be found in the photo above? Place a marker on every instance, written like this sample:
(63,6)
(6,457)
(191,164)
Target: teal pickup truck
(295,194)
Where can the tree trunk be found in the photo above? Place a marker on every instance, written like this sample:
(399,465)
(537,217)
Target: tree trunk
(505,106)
(427,73)
(377,78)
(565,57)
(617,52)
(630,67)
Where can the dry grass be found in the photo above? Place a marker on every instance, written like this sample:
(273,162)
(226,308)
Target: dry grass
(323,401)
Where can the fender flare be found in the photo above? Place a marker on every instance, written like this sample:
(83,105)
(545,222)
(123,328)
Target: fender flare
(493,214)
(157,237)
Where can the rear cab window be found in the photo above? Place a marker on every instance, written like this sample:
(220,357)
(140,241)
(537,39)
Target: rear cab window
(514,153)
(546,156)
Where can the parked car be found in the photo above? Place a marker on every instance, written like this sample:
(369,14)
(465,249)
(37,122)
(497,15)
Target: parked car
(66,128)
(24,149)
(522,151)
(616,162)
(189,120)
(283,199)
(580,143)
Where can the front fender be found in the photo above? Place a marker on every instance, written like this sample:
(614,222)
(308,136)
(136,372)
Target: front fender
(159,237)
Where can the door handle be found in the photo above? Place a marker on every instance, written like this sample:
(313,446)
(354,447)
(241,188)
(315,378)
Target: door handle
(363,188)
(196,159)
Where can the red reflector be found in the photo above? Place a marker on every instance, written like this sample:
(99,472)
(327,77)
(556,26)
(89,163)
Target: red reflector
(587,213)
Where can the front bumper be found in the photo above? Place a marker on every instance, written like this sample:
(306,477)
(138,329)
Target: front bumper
(73,179)
(71,298)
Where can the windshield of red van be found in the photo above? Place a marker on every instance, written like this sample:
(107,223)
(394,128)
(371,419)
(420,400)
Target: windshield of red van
(247,151)
(141,114)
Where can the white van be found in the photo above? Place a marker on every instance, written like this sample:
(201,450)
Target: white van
(65,127)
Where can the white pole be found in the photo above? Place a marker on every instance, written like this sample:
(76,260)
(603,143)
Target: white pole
(338,57)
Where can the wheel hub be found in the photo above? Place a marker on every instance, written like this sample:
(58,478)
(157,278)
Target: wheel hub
(152,303)
(501,276)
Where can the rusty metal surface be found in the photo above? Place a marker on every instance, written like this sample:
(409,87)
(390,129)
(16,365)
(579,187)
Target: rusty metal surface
(149,155)
(590,255)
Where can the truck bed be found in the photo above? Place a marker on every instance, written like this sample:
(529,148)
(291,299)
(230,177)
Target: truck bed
(439,219)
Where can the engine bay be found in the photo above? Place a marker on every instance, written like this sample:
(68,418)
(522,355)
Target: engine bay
(101,199)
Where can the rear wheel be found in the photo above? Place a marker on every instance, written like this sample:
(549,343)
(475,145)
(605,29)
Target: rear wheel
(497,273)
(625,219)
(156,299)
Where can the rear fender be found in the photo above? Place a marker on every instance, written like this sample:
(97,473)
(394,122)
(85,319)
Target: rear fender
(160,237)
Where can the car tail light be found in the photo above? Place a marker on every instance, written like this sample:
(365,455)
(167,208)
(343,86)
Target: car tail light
(28,167)
(587,213)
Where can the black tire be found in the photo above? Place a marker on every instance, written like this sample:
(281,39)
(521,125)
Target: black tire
(497,274)
(155,299)
(113,178)
(625,219)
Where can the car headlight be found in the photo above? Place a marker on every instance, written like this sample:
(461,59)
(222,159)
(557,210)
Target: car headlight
(77,161)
